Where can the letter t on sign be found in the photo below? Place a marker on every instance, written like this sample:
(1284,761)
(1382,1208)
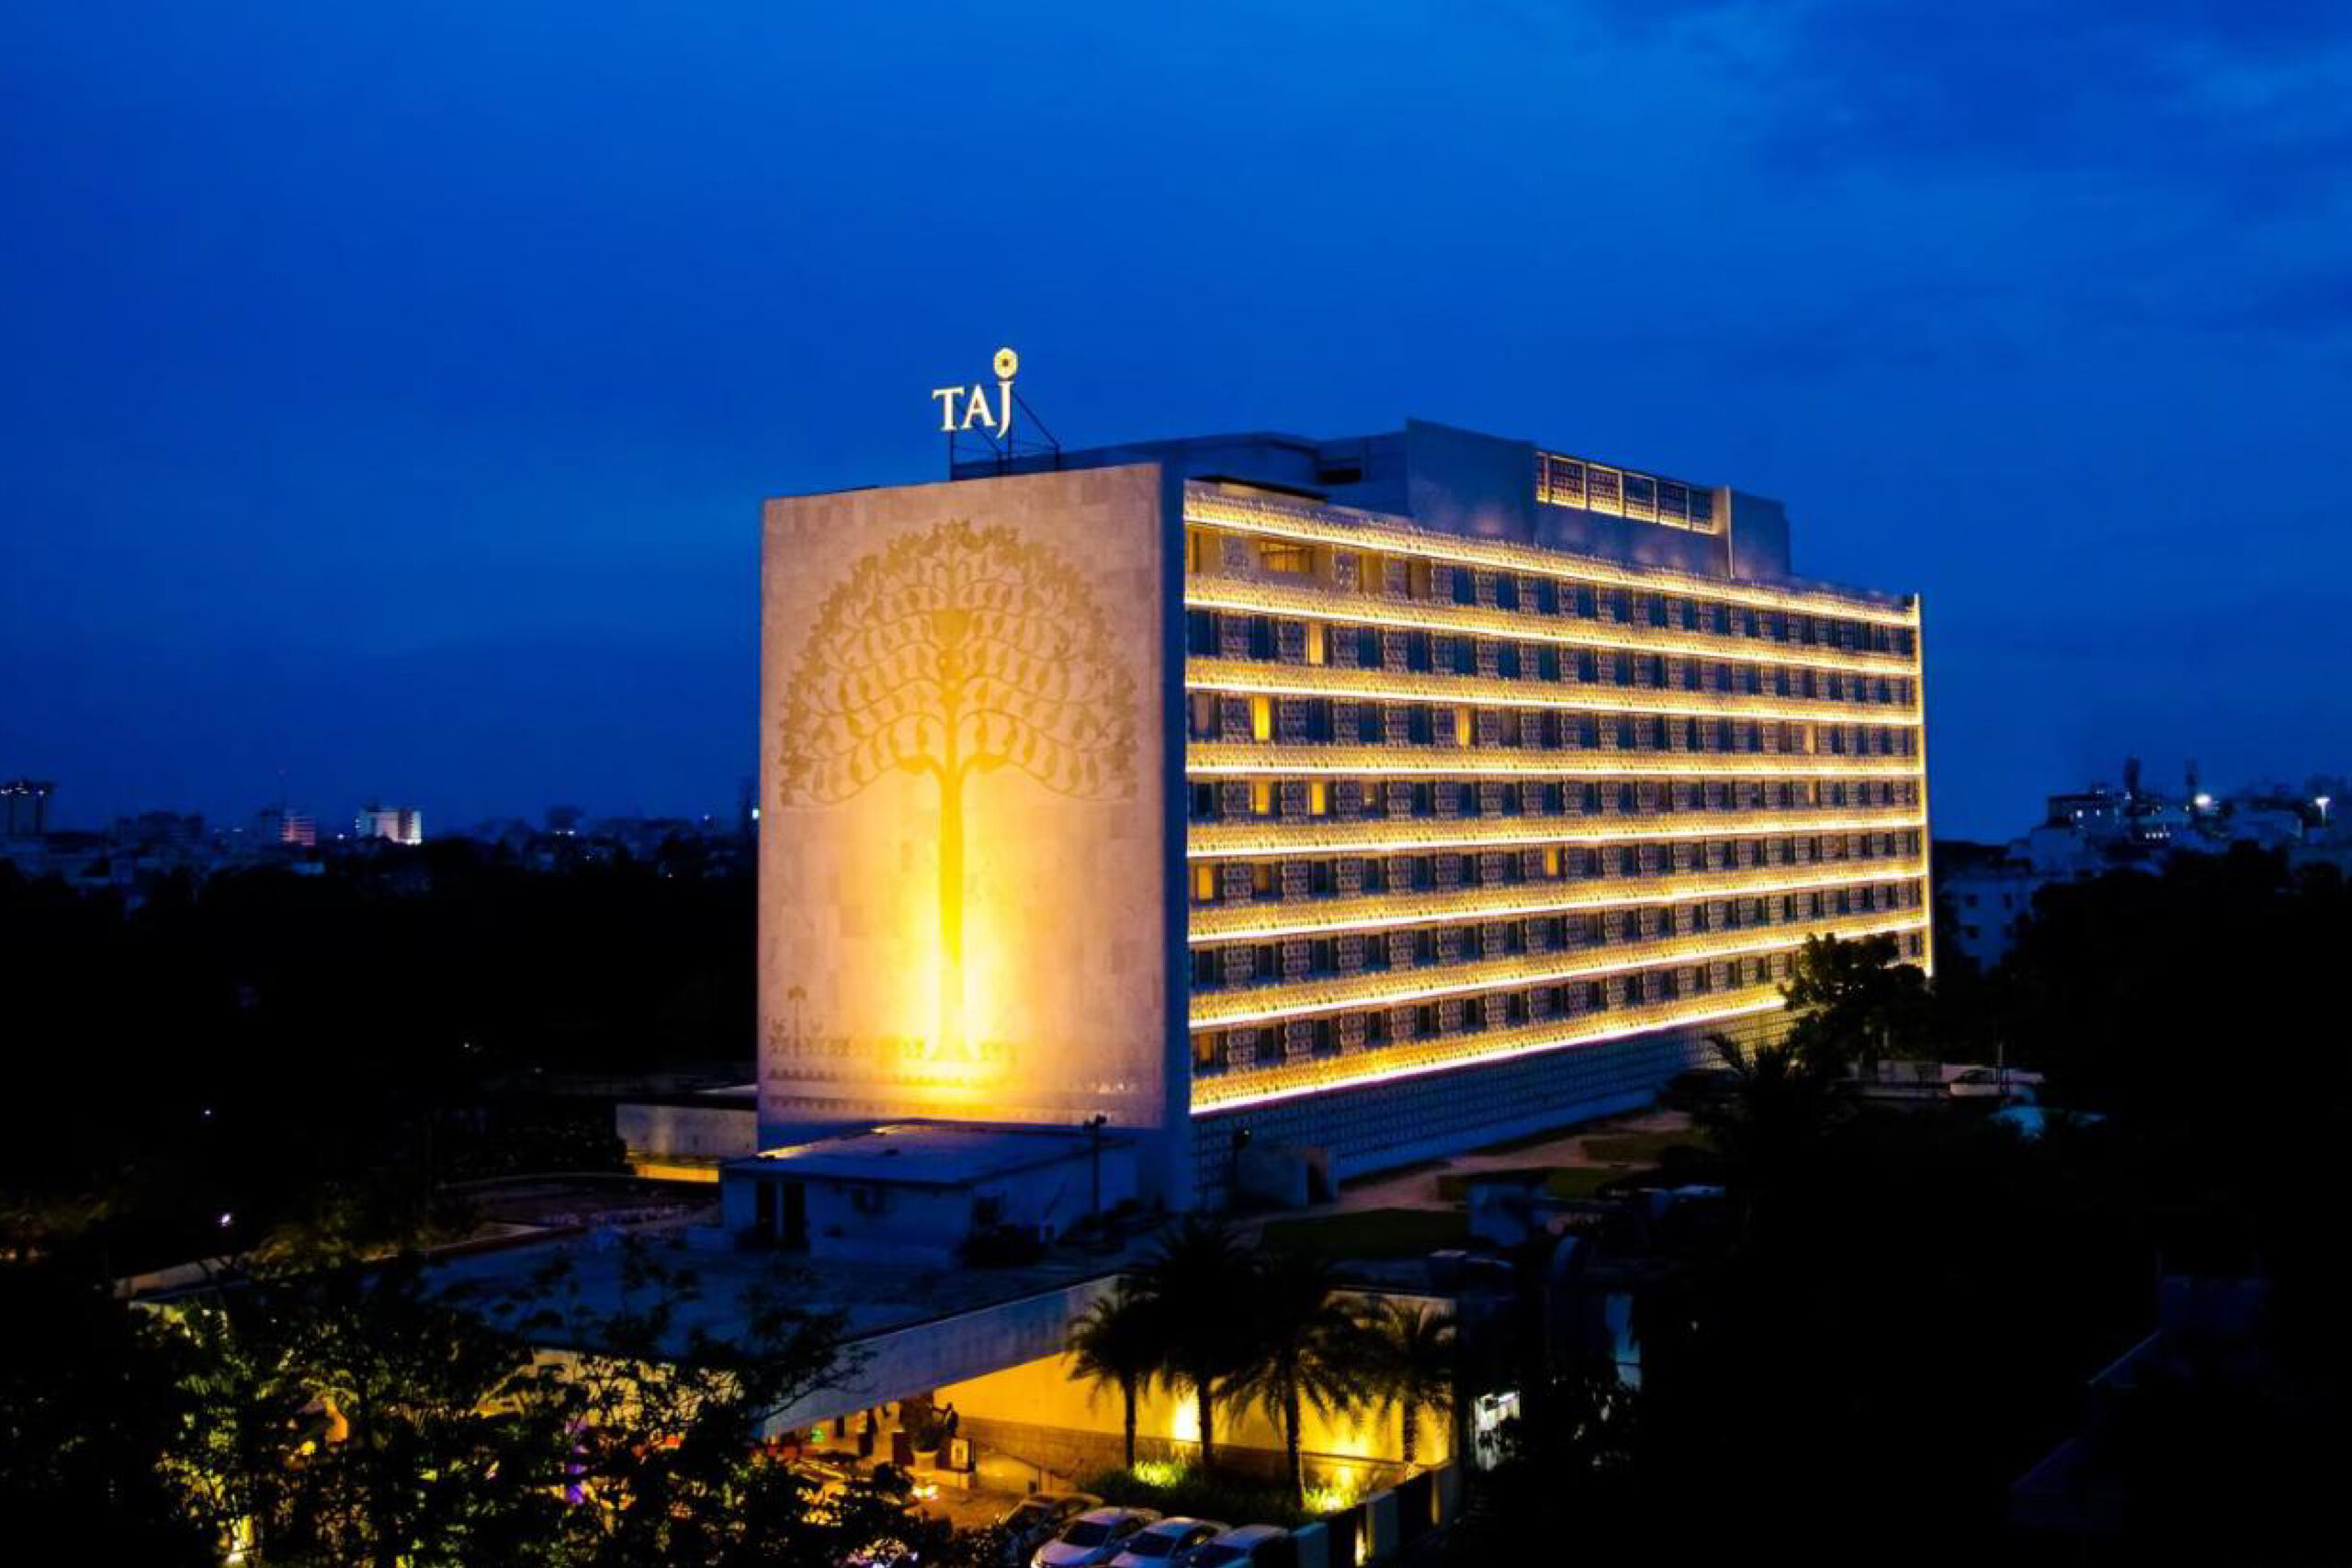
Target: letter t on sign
(947,396)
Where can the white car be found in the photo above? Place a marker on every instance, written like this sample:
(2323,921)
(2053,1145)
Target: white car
(1032,1521)
(1092,1538)
(1170,1543)
(1243,1547)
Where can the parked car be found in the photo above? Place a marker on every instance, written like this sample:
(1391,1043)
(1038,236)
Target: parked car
(1170,1543)
(1030,1522)
(1994,1083)
(1093,1538)
(1245,1548)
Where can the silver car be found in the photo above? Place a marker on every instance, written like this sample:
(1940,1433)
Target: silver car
(1092,1538)
(1168,1544)
(1238,1548)
(1034,1520)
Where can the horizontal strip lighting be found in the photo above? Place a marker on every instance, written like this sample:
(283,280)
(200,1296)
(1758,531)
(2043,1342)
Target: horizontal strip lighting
(1521,970)
(1254,596)
(1229,678)
(1270,758)
(1322,836)
(1325,1075)
(1399,911)
(1347,528)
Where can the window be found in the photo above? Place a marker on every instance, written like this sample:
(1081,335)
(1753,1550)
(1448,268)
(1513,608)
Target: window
(1204,716)
(1261,719)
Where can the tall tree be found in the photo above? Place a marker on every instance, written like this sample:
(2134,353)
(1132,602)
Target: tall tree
(1198,1282)
(352,1415)
(1309,1350)
(1854,1001)
(1118,1340)
(1413,1364)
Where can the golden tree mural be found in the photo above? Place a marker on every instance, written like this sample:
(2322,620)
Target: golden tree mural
(951,653)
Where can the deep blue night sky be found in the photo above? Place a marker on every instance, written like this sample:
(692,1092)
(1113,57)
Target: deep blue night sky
(388,392)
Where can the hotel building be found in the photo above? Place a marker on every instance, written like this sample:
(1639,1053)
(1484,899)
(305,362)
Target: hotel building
(1370,798)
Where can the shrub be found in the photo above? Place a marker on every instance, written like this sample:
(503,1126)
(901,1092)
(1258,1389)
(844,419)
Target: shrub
(1235,1500)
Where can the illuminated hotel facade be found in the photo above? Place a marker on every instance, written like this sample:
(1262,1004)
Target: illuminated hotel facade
(1379,798)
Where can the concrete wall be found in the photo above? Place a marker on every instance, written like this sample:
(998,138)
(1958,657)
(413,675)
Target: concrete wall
(1461,481)
(982,670)
(1038,1411)
(687,1132)
(1759,539)
(1388,1122)
(909,1222)
(946,1352)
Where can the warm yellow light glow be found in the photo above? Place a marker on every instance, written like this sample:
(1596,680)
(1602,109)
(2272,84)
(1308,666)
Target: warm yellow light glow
(654,1168)
(1390,987)
(1420,1058)
(1331,1497)
(1235,678)
(1257,840)
(1249,597)
(1261,719)
(1396,911)
(1351,529)
(1228,759)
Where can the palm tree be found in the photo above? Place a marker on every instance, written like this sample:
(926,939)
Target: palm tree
(1309,1350)
(1412,1364)
(1117,1340)
(1196,1283)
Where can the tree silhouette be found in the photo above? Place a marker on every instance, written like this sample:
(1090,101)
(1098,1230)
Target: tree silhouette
(1118,1340)
(950,653)
(1413,1361)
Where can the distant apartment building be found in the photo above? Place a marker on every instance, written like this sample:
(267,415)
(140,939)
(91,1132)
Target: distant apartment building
(1986,899)
(399,824)
(24,807)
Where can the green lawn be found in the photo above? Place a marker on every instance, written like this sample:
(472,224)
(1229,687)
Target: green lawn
(1371,1234)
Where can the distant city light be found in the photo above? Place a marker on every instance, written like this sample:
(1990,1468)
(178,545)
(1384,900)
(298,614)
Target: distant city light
(226,1219)
(2203,802)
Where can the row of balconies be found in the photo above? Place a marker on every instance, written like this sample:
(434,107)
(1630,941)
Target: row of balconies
(1265,646)
(1235,1063)
(1307,994)
(1261,836)
(1296,959)
(1236,900)
(1352,559)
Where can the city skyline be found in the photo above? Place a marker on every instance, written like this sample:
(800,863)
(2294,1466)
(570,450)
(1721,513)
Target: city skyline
(398,419)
